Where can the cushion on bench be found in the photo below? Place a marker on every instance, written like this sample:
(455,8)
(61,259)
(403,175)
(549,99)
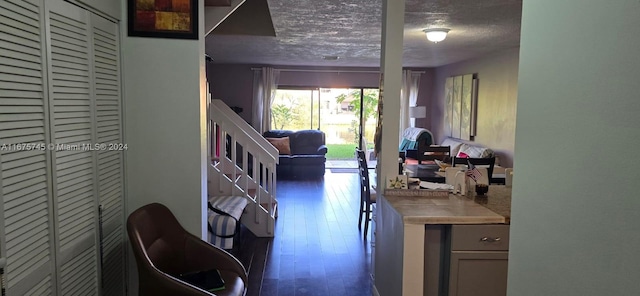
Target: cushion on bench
(223,218)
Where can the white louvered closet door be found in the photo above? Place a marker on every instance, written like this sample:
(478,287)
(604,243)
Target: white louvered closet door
(59,98)
(108,122)
(72,131)
(26,227)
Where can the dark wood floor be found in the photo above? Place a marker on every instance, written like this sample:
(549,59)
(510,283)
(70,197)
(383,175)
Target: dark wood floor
(317,248)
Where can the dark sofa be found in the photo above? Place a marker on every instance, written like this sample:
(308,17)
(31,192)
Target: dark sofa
(306,159)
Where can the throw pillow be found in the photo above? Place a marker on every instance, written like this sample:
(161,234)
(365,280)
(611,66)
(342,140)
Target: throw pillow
(282,144)
(462,155)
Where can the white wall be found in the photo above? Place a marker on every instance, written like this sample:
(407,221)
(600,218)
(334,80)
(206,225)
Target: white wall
(164,98)
(575,227)
(165,102)
(164,127)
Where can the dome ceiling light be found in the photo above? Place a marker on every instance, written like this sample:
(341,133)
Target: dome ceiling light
(436,35)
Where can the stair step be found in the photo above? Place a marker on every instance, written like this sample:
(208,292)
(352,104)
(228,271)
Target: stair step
(229,175)
(275,207)
(252,193)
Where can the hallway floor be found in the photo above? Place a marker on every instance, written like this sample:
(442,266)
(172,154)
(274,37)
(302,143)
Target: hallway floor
(317,248)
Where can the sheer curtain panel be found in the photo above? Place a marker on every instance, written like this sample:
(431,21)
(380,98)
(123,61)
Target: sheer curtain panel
(265,84)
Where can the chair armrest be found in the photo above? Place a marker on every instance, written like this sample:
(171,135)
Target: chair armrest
(200,255)
(322,149)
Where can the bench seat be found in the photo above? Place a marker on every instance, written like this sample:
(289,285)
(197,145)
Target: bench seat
(224,219)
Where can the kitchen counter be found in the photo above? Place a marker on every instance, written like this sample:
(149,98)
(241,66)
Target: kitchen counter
(402,237)
(456,209)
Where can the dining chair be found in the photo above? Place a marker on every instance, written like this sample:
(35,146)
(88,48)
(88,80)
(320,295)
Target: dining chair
(435,152)
(488,162)
(367,194)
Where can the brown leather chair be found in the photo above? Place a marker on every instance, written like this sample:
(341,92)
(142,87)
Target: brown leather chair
(164,249)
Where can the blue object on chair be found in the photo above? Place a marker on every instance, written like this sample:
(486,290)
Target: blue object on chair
(415,141)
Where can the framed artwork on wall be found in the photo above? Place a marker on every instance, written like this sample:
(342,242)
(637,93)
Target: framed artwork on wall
(163,18)
(465,107)
(461,93)
(456,107)
(448,106)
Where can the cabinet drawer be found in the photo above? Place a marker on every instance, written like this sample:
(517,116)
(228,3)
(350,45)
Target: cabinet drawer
(480,237)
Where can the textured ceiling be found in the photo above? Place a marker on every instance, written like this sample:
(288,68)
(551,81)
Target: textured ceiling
(307,30)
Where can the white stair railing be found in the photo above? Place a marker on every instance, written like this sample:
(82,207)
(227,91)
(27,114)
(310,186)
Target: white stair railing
(243,163)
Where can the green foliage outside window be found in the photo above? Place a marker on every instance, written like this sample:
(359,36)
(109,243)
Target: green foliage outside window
(369,101)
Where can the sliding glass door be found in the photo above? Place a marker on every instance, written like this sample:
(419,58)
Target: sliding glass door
(347,116)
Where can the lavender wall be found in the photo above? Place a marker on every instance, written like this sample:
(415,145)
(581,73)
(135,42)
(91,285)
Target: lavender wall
(233,84)
(425,95)
(331,79)
(497,96)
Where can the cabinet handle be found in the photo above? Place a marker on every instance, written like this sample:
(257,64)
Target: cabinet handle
(490,239)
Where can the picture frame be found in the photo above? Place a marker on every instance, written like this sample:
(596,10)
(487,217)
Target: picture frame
(461,100)
(176,19)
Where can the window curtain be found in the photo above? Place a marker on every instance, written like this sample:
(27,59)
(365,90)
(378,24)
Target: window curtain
(408,98)
(265,84)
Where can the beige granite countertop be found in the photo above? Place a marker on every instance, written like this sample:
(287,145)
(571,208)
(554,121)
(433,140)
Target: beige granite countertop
(455,209)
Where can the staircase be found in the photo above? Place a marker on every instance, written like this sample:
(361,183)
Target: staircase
(243,163)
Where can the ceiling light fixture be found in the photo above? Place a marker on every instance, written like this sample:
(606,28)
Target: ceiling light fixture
(436,35)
